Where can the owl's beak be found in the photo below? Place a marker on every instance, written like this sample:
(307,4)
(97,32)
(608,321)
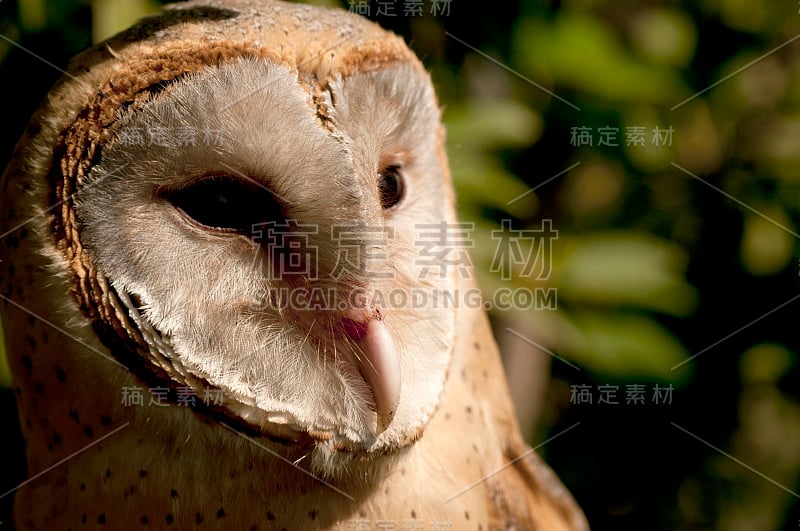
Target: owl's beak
(378,363)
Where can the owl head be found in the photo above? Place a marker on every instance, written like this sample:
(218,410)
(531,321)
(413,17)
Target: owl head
(253,197)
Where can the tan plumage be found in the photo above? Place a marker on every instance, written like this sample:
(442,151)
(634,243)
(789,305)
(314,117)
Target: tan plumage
(327,418)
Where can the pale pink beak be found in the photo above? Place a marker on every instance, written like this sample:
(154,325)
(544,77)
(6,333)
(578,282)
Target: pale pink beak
(378,361)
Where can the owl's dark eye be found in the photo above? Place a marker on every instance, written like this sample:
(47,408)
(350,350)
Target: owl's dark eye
(390,186)
(226,204)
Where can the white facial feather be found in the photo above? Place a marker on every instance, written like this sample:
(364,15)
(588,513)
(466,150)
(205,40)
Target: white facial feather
(204,292)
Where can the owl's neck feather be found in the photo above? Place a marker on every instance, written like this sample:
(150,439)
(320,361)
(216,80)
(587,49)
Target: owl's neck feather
(126,464)
(162,460)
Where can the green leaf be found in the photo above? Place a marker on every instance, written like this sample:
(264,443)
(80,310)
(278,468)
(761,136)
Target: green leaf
(474,132)
(492,124)
(766,248)
(626,346)
(32,14)
(765,363)
(112,16)
(622,269)
(665,36)
(583,52)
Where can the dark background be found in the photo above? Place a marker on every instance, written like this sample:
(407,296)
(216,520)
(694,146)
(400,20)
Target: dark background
(663,250)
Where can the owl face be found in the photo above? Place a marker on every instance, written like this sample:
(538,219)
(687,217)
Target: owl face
(264,233)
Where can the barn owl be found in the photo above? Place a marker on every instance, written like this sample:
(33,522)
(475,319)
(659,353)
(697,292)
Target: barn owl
(226,295)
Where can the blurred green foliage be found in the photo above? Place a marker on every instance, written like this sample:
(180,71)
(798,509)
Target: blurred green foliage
(665,250)
(605,273)
(582,52)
